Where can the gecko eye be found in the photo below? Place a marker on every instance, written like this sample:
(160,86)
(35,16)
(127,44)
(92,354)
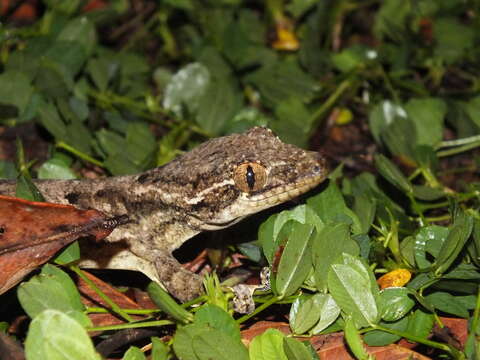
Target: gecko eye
(250,177)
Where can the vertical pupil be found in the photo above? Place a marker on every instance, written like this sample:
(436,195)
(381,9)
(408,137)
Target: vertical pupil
(250,177)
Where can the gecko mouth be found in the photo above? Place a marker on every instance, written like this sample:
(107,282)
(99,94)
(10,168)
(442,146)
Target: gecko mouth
(247,205)
(283,193)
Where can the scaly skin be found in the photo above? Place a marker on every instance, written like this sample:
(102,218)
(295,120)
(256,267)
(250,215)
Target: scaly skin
(200,190)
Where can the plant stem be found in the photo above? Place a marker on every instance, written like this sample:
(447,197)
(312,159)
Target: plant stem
(454,352)
(79,154)
(320,112)
(132,325)
(457,142)
(115,307)
(128,311)
(459,149)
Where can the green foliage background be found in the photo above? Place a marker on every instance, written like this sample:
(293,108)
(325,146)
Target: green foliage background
(128,91)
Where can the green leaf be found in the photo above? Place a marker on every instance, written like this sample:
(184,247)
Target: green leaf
(295,350)
(219,319)
(268,234)
(331,207)
(55,169)
(80,30)
(427,115)
(294,122)
(428,240)
(160,350)
(68,255)
(447,303)
(268,346)
(352,57)
(206,346)
(329,312)
(329,244)
(50,119)
(141,143)
(473,110)
(54,335)
(281,81)
(353,339)
(303,305)
(456,239)
(134,353)
(52,289)
(389,171)
(350,285)
(382,338)
(218,104)
(183,340)
(186,88)
(382,116)
(295,262)
(15,89)
(420,323)
(398,301)
(452,39)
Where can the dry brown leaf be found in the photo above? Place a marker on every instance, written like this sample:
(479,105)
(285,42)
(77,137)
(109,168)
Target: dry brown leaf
(32,232)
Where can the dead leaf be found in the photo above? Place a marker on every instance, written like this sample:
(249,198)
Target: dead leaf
(32,232)
(332,346)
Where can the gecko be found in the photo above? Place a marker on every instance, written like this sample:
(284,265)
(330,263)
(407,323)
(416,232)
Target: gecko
(211,187)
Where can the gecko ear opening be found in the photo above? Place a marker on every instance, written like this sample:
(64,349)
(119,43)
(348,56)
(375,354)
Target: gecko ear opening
(250,177)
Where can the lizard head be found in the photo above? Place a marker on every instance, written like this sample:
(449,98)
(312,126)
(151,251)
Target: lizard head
(227,178)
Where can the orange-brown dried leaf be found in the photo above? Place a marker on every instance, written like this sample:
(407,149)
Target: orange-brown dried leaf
(333,346)
(32,232)
(91,299)
(394,278)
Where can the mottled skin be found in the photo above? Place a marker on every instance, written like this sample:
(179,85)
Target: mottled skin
(193,193)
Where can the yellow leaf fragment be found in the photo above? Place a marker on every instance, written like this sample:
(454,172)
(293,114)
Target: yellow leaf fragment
(394,278)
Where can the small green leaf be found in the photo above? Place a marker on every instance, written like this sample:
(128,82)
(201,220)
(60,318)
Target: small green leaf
(219,319)
(50,119)
(305,312)
(329,312)
(350,284)
(15,89)
(456,239)
(420,323)
(432,237)
(281,81)
(134,353)
(447,303)
(427,115)
(268,346)
(295,350)
(382,338)
(353,339)
(398,301)
(186,88)
(55,169)
(389,171)
(70,254)
(329,244)
(206,346)
(295,262)
(218,104)
(80,30)
(54,335)
(52,289)
(160,350)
